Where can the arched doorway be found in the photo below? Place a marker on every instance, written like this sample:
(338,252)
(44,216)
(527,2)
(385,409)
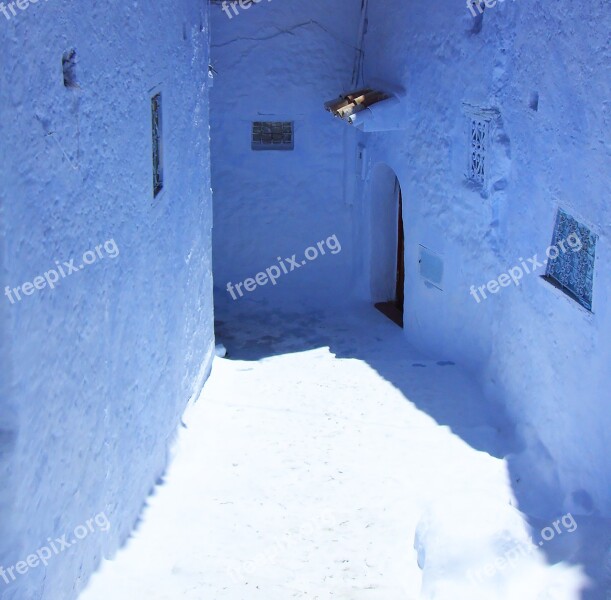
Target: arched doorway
(387,244)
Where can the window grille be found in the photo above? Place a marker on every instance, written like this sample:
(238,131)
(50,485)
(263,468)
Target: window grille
(480,131)
(481,123)
(272,135)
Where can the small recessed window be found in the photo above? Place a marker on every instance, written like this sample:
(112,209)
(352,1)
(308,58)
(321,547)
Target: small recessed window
(481,124)
(157,147)
(479,132)
(272,135)
(571,256)
(69,68)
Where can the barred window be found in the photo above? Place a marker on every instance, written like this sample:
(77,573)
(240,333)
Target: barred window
(572,268)
(272,135)
(481,124)
(476,169)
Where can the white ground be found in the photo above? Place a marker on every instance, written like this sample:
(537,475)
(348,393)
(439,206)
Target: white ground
(321,449)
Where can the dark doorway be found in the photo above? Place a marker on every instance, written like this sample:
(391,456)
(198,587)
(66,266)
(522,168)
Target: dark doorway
(393,309)
(399,294)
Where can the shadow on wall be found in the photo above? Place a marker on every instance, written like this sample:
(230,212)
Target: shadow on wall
(254,331)
(383,232)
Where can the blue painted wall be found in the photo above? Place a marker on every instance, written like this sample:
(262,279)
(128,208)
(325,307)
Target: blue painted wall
(96,372)
(544,69)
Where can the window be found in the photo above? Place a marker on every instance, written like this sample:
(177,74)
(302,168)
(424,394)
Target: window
(272,135)
(481,123)
(69,68)
(572,268)
(157,147)
(479,131)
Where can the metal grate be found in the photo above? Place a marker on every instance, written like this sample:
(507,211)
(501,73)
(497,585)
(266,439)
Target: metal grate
(476,170)
(272,135)
(156,116)
(573,271)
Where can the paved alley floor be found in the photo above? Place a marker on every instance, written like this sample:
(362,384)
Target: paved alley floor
(327,459)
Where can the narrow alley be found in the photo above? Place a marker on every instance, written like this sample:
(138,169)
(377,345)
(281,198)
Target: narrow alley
(308,464)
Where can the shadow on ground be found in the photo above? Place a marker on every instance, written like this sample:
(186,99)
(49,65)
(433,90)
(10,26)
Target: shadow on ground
(253,331)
